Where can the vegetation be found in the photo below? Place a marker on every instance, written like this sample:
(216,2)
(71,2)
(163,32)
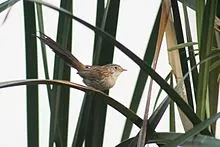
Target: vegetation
(192,85)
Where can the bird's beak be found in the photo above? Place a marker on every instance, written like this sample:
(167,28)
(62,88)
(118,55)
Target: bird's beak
(124,69)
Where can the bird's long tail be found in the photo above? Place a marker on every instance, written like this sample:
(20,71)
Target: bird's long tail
(62,53)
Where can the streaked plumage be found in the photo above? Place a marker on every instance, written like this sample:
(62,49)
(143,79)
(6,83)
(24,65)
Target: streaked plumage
(98,77)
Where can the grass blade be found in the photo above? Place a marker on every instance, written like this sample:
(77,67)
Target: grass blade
(107,99)
(142,76)
(191,53)
(43,49)
(62,71)
(169,76)
(85,112)
(174,61)
(198,140)
(182,51)
(196,130)
(7,4)
(82,123)
(182,45)
(199,16)
(103,54)
(31,72)
(153,122)
(172,111)
(205,50)
(189,3)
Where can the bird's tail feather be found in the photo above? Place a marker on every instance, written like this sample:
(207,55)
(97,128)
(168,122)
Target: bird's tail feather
(62,53)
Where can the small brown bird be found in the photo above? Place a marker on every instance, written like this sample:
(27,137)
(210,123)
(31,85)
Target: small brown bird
(98,77)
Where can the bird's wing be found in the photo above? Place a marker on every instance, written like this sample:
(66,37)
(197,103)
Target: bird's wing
(93,72)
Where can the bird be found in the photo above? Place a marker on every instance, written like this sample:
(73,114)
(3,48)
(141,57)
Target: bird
(96,76)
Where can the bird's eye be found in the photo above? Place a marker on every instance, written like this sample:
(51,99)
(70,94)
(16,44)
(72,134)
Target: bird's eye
(116,67)
(88,66)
